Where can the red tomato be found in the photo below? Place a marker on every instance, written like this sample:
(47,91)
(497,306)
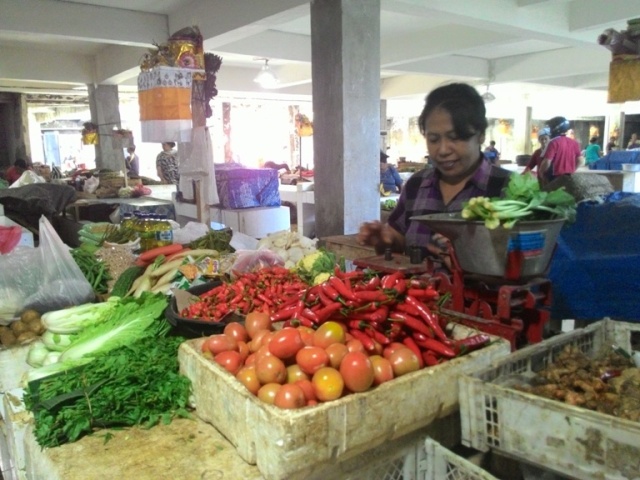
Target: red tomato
(404,361)
(256,341)
(270,369)
(295,373)
(307,388)
(256,321)
(382,369)
(263,352)
(237,331)
(336,352)
(328,384)
(392,347)
(221,343)
(286,343)
(328,333)
(251,359)
(230,360)
(290,396)
(307,334)
(267,393)
(357,371)
(243,349)
(248,377)
(355,345)
(311,359)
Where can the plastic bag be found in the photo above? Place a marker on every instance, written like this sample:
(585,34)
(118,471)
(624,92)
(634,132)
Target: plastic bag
(9,238)
(27,178)
(45,278)
(251,260)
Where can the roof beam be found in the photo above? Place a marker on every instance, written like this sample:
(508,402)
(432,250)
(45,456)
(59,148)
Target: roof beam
(22,64)
(589,14)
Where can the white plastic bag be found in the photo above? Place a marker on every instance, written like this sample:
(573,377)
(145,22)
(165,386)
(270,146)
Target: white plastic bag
(27,178)
(45,278)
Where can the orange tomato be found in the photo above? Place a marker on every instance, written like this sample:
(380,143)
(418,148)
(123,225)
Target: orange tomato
(256,321)
(357,371)
(307,388)
(392,347)
(221,343)
(267,392)
(404,361)
(270,369)
(328,384)
(237,331)
(290,396)
(295,373)
(355,345)
(243,349)
(382,369)
(307,334)
(248,377)
(328,333)
(336,352)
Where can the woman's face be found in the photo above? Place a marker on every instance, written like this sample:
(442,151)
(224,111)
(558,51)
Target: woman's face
(543,140)
(453,157)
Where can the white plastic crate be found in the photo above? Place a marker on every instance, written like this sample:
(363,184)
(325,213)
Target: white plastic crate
(301,444)
(569,440)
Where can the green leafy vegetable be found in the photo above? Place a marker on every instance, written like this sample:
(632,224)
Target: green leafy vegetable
(135,385)
(524,200)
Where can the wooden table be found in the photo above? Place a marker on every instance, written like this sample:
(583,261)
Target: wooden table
(347,246)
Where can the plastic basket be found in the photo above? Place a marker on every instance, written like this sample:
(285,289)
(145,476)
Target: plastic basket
(565,439)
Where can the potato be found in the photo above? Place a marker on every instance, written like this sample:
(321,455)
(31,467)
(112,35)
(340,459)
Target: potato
(7,337)
(26,337)
(19,327)
(36,326)
(29,315)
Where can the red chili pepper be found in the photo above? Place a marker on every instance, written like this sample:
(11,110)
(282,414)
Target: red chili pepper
(371,296)
(400,286)
(471,343)
(373,283)
(283,313)
(430,359)
(436,346)
(378,336)
(428,317)
(311,315)
(411,344)
(354,274)
(421,336)
(357,324)
(324,313)
(265,299)
(395,331)
(330,292)
(389,280)
(367,342)
(406,308)
(411,322)
(324,299)
(342,288)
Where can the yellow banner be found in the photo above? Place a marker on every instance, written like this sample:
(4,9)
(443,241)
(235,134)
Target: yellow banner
(165,103)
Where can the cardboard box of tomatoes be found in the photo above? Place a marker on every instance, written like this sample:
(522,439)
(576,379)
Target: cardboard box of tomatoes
(306,442)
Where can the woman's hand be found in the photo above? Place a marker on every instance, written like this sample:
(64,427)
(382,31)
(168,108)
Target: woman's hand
(380,236)
(440,246)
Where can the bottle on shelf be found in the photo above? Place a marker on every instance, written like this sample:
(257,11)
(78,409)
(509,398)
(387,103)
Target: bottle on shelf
(163,231)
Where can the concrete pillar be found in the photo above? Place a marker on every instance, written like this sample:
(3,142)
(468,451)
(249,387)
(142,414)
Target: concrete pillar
(522,132)
(384,132)
(345,54)
(104,106)
(14,134)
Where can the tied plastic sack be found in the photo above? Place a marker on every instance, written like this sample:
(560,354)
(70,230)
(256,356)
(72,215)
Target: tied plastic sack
(45,278)
(27,178)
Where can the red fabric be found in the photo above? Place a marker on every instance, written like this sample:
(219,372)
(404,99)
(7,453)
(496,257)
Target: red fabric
(563,153)
(9,238)
(12,174)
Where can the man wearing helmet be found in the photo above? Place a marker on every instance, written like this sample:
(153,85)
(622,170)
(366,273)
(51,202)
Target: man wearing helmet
(562,156)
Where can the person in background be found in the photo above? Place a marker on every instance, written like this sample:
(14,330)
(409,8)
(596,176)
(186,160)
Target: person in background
(167,164)
(612,145)
(390,180)
(14,172)
(492,153)
(592,153)
(537,155)
(453,122)
(132,162)
(563,156)
(633,142)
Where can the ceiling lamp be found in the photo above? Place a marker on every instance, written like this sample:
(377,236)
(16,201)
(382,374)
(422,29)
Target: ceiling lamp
(266,78)
(488,96)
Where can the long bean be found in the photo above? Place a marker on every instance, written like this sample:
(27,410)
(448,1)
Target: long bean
(93,269)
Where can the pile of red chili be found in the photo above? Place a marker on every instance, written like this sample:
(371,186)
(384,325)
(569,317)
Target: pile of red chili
(381,310)
(266,290)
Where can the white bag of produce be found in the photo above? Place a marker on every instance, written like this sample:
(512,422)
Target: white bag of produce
(44,278)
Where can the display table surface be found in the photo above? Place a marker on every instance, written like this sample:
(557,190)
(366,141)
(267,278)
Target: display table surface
(347,246)
(614,160)
(185,449)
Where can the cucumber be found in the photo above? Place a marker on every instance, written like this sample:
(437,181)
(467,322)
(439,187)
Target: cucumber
(125,280)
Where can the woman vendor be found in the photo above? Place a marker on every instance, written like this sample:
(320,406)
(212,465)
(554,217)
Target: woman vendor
(453,122)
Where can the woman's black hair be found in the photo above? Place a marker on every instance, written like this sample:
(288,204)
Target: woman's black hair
(20,163)
(593,139)
(464,104)
(171,144)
